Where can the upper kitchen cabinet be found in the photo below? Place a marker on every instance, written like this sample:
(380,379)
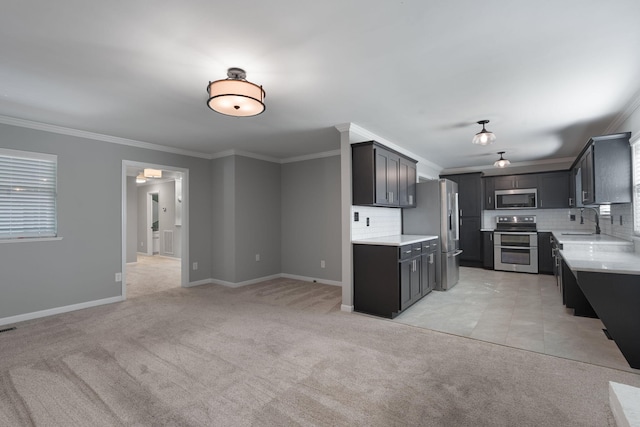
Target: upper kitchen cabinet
(489,202)
(510,182)
(469,193)
(382,177)
(603,170)
(553,190)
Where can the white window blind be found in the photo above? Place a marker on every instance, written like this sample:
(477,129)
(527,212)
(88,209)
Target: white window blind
(27,194)
(635,148)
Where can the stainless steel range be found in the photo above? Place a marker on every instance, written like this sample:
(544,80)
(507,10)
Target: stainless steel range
(516,244)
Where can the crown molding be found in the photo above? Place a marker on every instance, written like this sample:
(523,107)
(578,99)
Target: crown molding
(624,115)
(311,156)
(229,153)
(366,135)
(98,136)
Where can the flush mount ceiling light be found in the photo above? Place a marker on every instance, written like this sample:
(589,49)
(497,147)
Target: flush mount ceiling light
(501,162)
(235,96)
(484,137)
(152,173)
(140,179)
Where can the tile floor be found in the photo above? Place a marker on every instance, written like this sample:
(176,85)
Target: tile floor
(152,274)
(518,310)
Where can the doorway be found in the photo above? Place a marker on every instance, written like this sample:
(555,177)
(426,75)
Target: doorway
(155,225)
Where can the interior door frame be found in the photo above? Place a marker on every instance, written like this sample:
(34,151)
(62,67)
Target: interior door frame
(184,259)
(149,221)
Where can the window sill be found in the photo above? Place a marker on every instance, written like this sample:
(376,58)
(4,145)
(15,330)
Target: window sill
(30,239)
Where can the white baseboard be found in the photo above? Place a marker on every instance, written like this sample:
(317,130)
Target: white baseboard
(311,279)
(347,308)
(58,310)
(198,283)
(246,282)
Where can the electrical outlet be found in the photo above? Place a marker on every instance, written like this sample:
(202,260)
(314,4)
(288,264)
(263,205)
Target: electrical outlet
(257,257)
(367,222)
(195,265)
(356,216)
(572,217)
(322,265)
(118,277)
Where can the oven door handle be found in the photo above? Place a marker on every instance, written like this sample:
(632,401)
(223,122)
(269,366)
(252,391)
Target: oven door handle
(524,248)
(519,233)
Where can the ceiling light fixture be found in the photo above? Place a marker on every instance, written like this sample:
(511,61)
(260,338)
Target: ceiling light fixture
(152,173)
(501,162)
(140,179)
(484,137)
(235,96)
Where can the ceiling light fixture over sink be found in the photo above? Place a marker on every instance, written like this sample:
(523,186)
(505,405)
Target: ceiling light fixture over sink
(235,96)
(484,137)
(501,162)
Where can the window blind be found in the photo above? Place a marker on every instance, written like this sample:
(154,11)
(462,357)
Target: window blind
(27,194)
(636,185)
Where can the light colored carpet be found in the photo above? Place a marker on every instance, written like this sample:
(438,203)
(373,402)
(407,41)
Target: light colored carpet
(279,353)
(152,274)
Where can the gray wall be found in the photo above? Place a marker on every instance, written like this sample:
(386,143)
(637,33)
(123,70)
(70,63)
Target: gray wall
(132,219)
(311,218)
(166,219)
(245,218)
(81,267)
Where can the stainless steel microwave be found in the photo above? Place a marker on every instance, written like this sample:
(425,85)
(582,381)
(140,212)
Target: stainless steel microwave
(521,198)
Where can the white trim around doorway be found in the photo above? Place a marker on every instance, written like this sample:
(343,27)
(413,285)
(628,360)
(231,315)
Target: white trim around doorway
(184,264)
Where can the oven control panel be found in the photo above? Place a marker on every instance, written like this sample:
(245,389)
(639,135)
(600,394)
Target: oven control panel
(516,219)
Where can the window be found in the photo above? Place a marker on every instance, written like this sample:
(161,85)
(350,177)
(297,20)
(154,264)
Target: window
(635,150)
(27,195)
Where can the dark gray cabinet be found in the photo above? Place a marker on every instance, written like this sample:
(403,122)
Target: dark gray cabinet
(381,176)
(553,190)
(389,279)
(545,254)
(510,182)
(470,209)
(487,250)
(604,166)
(489,202)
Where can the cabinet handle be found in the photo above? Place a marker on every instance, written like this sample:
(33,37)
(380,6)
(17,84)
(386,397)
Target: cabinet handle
(410,199)
(407,252)
(430,258)
(418,250)
(460,212)
(584,196)
(460,222)
(390,196)
(489,200)
(570,201)
(491,237)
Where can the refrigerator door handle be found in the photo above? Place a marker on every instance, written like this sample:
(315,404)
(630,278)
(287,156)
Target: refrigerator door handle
(455,254)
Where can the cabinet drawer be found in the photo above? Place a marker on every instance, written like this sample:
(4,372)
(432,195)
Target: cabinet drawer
(405,252)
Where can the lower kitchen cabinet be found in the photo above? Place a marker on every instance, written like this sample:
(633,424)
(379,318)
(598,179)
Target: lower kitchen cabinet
(487,249)
(470,241)
(545,253)
(573,296)
(389,279)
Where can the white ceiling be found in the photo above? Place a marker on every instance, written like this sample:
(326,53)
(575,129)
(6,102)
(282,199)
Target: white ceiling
(548,74)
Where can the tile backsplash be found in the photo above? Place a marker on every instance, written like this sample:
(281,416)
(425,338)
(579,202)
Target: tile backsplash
(559,219)
(382,222)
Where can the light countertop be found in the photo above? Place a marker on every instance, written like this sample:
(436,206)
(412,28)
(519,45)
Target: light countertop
(395,240)
(598,252)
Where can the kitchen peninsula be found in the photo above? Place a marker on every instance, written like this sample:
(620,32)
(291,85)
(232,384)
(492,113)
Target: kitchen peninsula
(607,272)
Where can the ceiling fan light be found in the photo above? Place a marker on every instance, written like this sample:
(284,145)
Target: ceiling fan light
(484,137)
(140,179)
(236,96)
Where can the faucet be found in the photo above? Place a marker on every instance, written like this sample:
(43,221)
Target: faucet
(597,217)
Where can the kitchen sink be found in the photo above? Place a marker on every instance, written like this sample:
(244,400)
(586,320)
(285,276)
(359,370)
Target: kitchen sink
(578,233)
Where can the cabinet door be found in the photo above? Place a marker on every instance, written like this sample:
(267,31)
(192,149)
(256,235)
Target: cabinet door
(504,182)
(407,188)
(488,195)
(572,188)
(406,268)
(470,240)
(487,249)
(553,190)
(416,282)
(586,166)
(432,269)
(469,194)
(545,255)
(387,177)
(526,181)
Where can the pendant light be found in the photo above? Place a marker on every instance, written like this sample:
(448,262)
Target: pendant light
(152,173)
(141,179)
(235,96)
(501,162)
(484,137)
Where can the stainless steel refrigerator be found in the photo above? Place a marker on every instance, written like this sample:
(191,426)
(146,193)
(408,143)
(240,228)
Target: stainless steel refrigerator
(436,213)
